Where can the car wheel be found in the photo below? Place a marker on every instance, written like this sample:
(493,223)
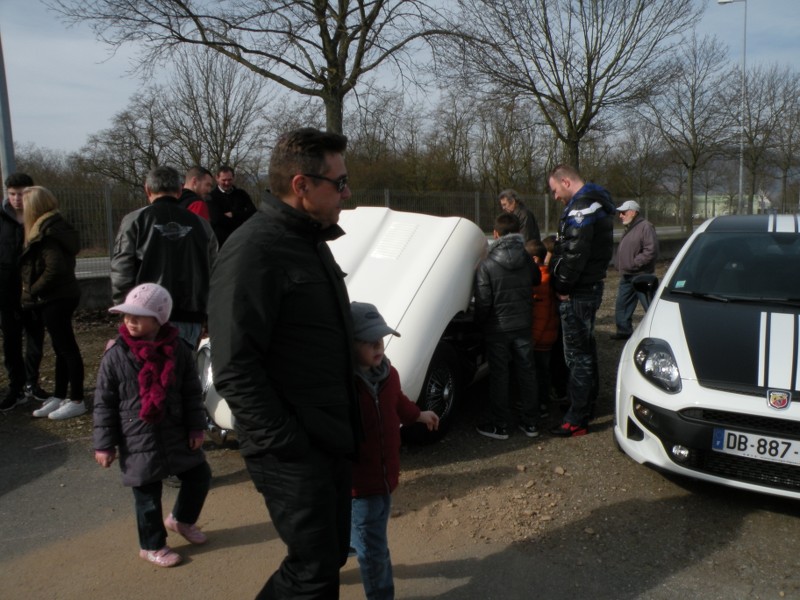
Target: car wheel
(441,391)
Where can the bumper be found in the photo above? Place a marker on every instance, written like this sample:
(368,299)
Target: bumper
(675,434)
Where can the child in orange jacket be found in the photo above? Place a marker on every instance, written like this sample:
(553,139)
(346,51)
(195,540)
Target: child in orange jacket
(544,327)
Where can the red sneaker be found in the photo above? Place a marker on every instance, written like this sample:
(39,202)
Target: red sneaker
(569,430)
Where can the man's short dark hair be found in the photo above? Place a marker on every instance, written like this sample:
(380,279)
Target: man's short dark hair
(163,180)
(506,223)
(19,180)
(197,172)
(299,151)
(536,249)
(564,171)
(226,169)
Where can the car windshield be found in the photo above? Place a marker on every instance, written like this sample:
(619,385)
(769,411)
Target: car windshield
(741,266)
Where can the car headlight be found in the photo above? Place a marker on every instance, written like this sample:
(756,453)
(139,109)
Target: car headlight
(655,361)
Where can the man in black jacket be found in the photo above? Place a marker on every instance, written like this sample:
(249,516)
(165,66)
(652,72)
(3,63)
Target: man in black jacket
(23,369)
(528,227)
(503,293)
(279,318)
(166,244)
(229,206)
(583,250)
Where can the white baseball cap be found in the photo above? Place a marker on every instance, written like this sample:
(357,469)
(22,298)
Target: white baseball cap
(629,205)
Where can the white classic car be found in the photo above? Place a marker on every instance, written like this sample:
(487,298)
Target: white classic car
(418,270)
(708,384)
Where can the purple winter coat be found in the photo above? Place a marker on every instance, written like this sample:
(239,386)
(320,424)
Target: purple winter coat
(147,452)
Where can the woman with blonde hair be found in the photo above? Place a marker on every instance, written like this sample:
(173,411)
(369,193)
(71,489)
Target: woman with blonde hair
(50,288)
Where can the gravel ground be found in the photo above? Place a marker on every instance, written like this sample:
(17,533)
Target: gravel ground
(472,518)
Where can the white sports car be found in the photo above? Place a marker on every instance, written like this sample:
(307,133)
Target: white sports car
(707,385)
(418,270)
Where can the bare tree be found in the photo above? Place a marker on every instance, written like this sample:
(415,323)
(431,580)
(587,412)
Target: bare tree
(213,114)
(315,48)
(216,112)
(576,59)
(764,113)
(787,138)
(689,115)
(638,164)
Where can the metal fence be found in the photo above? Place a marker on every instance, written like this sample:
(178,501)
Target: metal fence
(97,212)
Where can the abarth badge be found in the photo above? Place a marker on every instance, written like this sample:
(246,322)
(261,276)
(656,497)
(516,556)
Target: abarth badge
(779,399)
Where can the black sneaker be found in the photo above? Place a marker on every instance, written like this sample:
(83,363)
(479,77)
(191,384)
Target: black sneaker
(34,392)
(493,431)
(12,399)
(529,430)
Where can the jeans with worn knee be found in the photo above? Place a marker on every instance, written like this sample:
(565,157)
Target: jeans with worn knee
(627,297)
(368,538)
(580,351)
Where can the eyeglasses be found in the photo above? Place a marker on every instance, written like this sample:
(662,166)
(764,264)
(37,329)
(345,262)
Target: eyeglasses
(340,183)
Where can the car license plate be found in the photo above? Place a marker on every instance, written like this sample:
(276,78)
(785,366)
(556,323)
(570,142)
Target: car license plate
(760,447)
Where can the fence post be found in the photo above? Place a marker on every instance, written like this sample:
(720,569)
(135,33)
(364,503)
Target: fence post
(386,197)
(546,213)
(109,217)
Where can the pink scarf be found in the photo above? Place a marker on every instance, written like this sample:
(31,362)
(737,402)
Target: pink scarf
(158,369)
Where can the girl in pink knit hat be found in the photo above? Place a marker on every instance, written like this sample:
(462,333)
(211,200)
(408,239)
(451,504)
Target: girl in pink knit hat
(148,407)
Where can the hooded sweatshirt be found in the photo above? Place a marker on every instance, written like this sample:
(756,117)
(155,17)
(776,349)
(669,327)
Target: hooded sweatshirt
(503,285)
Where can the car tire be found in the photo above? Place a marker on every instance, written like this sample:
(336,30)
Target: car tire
(441,391)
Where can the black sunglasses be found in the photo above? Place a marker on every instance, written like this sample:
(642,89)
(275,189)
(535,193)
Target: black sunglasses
(340,183)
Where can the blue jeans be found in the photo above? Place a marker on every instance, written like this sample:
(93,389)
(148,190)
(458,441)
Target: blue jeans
(627,297)
(580,351)
(189,332)
(368,538)
(501,351)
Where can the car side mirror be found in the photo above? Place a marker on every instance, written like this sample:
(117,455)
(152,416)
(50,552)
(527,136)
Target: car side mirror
(646,284)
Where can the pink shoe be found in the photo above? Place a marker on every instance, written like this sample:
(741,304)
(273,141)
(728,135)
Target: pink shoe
(166,557)
(190,532)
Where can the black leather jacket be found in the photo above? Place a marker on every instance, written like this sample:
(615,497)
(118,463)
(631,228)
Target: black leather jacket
(585,242)
(166,244)
(504,287)
(281,331)
(12,237)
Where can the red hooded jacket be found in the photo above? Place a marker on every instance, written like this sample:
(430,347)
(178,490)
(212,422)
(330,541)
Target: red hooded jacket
(378,468)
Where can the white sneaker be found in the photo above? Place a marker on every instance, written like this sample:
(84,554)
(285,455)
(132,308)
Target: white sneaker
(49,406)
(68,410)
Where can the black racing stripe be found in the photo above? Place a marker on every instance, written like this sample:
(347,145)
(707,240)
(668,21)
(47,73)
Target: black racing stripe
(794,353)
(723,340)
(756,223)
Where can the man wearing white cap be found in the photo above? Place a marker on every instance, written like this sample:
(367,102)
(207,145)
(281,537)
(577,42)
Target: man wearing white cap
(636,254)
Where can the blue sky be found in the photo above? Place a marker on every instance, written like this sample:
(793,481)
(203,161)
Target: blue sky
(64,85)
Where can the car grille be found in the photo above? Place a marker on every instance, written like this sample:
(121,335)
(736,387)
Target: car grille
(764,425)
(775,475)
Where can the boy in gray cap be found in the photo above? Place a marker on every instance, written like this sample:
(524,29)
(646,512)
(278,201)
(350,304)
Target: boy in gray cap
(384,407)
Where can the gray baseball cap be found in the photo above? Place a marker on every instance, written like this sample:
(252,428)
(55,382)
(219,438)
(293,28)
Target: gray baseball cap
(368,324)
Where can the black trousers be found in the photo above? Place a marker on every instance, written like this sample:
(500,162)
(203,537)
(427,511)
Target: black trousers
(57,319)
(191,497)
(309,502)
(16,324)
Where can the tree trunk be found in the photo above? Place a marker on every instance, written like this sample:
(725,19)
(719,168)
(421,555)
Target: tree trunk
(334,112)
(688,211)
